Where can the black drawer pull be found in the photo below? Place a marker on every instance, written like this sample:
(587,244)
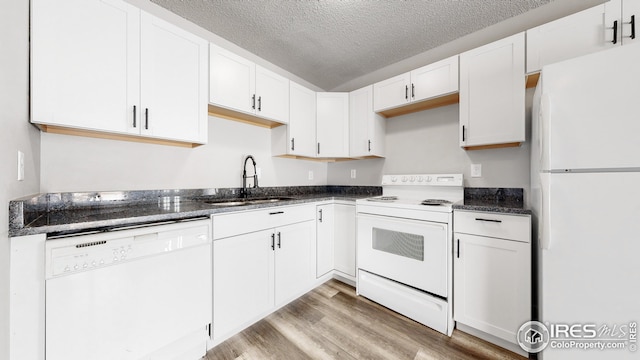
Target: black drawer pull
(273,241)
(276,212)
(489,220)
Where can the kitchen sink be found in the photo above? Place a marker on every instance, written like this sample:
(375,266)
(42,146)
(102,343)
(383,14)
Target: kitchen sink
(248,201)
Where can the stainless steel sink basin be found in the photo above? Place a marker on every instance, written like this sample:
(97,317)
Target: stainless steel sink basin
(248,201)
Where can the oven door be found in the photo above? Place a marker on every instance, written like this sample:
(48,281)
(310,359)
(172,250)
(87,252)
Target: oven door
(411,252)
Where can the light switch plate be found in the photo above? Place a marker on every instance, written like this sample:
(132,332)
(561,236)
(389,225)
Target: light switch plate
(310,174)
(476,170)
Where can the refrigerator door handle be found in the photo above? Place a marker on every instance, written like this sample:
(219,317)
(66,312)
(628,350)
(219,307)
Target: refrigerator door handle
(544,218)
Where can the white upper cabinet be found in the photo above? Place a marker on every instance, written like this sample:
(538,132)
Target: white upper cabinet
(392,92)
(492,94)
(428,82)
(174,82)
(366,128)
(102,78)
(598,28)
(232,80)
(298,138)
(88,79)
(240,85)
(332,125)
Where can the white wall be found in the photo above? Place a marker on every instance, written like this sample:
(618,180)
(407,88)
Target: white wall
(71,163)
(15,134)
(427,142)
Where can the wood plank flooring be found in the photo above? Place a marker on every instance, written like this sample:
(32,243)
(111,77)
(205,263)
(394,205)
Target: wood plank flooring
(331,322)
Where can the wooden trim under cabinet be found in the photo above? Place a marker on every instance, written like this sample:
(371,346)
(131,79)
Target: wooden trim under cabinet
(493,146)
(224,113)
(422,105)
(53,129)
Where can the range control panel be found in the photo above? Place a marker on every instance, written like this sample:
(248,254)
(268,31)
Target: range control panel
(423,179)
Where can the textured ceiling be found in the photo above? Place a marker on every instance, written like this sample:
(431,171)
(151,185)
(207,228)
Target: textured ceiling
(330,42)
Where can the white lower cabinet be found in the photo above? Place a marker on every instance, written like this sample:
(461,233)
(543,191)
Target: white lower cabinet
(344,248)
(492,272)
(336,240)
(256,272)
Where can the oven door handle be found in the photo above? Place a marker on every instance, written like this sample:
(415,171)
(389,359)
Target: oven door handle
(378,219)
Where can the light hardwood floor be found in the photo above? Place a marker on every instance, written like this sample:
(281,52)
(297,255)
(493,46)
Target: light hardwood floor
(331,322)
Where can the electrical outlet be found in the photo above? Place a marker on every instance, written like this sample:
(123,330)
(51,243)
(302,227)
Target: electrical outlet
(353,173)
(20,165)
(476,170)
(310,174)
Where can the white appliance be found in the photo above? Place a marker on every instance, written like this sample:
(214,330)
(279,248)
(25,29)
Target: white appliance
(140,293)
(586,195)
(405,246)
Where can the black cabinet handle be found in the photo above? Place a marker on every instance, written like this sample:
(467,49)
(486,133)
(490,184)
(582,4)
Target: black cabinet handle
(293,144)
(615,32)
(320,219)
(458,255)
(134,116)
(318,148)
(273,241)
(146,118)
(413,91)
(489,220)
(259,103)
(369,145)
(406,92)
(253,102)
(276,213)
(279,240)
(463,131)
(633,26)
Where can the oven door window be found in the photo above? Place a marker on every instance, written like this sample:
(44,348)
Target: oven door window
(399,243)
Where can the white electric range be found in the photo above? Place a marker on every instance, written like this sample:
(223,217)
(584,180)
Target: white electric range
(405,242)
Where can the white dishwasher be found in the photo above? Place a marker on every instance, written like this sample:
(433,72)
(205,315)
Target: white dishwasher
(141,293)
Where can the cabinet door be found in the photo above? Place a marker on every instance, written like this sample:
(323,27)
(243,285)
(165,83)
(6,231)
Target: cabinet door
(332,124)
(243,281)
(571,36)
(85,64)
(302,122)
(391,93)
(345,239)
(435,79)
(272,92)
(492,284)
(366,128)
(231,80)
(173,82)
(492,89)
(295,260)
(630,8)
(324,239)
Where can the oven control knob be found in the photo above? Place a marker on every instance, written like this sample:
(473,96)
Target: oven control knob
(412,178)
(420,178)
(394,179)
(404,179)
(428,179)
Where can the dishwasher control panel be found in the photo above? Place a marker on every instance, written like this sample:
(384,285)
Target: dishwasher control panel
(86,252)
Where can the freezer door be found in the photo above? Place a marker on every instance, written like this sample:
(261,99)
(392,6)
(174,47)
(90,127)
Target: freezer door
(590,268)
(590,111)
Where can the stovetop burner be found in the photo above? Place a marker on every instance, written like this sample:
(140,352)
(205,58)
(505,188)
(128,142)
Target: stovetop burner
(435,202)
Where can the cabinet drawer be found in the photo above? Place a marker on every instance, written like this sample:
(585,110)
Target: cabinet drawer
(511,227)
(225,225)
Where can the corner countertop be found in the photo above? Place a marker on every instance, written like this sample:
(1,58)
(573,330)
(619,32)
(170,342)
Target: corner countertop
(68,213)
(498,200)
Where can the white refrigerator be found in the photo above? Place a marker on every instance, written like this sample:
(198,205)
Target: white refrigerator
(585,199)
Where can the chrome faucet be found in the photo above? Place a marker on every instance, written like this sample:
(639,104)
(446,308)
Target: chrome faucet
(244,175)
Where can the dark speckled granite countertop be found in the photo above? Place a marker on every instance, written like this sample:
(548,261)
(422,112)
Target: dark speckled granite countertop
(62,213)
(501,200)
